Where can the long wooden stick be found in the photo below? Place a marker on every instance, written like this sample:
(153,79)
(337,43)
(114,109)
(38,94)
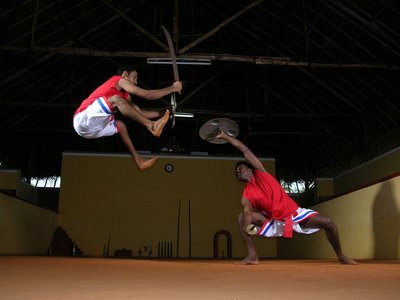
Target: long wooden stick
(108,245)
(177,233)
(190,232)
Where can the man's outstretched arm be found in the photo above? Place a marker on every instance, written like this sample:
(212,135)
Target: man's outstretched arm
(248,154)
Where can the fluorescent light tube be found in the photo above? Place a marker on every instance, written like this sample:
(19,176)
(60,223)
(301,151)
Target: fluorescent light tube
(180,61)
(184,115)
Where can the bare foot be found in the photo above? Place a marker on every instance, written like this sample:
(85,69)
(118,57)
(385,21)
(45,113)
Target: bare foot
(347,261)
(158,126)
(145,163)
(249,261)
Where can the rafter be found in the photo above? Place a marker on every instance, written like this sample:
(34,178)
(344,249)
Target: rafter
(217,28)
(135,25)
(258,60)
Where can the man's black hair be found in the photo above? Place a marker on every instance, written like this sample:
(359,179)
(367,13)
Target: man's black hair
(244,162)
(127,68)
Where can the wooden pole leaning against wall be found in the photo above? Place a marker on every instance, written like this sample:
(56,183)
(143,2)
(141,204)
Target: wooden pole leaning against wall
(190,231)
(177,233)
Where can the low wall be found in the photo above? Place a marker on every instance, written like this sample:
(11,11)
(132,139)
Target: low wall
(368,221)
(24,228)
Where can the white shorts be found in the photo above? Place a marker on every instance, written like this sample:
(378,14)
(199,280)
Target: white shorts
(275,228)
(96,120)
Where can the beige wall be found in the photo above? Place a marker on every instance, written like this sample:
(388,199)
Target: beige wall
(24,227)
(325,187)
(368,221)
(9,179)
(370,172)
(104,195)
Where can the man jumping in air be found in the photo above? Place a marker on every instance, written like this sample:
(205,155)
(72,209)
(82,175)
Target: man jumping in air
(95,116)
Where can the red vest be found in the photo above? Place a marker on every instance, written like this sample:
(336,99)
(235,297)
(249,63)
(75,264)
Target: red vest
(106,90)
(266,195)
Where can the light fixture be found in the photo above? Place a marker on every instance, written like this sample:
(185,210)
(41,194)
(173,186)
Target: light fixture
(180,61)
(184,115)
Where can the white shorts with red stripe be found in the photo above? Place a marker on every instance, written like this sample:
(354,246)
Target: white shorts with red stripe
(275,228)
(96,120)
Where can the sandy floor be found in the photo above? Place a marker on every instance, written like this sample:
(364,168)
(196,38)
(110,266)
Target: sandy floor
(62,278)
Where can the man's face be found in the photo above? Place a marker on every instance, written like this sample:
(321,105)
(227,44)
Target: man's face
(243,172)
(133,77)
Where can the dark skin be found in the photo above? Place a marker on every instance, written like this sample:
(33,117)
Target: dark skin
(129,109)
(252,216)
